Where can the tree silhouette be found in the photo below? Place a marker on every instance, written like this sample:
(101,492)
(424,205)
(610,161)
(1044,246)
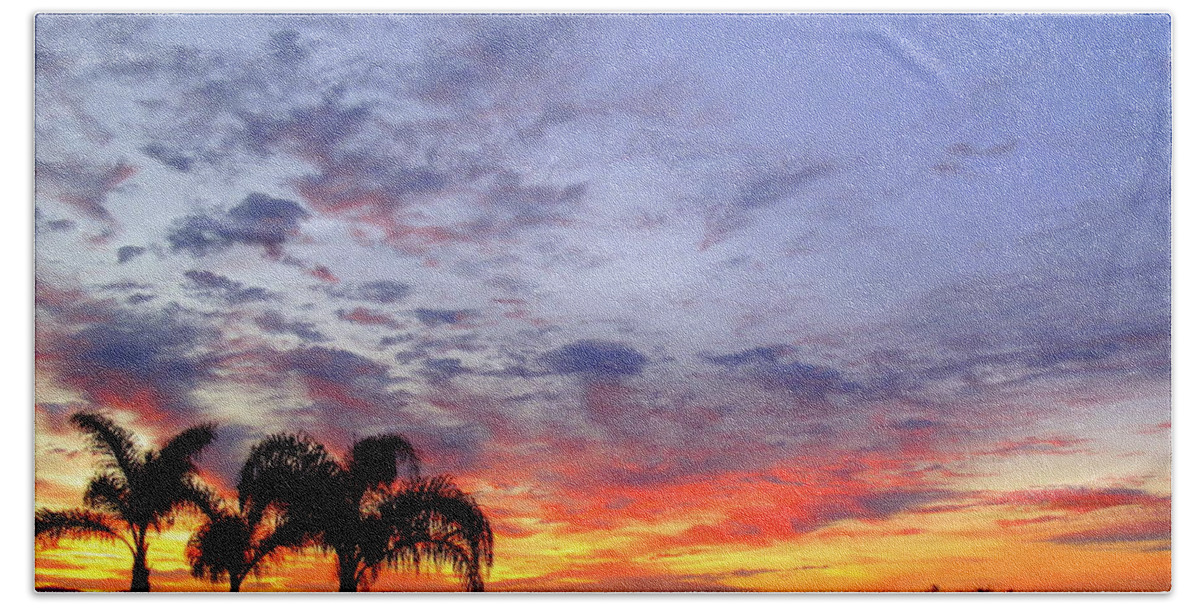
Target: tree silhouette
(134,492)
(275,511)
(371,520)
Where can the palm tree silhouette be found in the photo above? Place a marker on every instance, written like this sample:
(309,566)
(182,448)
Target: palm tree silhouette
(134,492)
(370,519)
(275,511)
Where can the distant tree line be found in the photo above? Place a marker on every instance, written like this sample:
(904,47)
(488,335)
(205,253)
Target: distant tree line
(292,494)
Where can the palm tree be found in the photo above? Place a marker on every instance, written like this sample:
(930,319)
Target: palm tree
(134,492)
(274,511)
(371,520)
(432,518)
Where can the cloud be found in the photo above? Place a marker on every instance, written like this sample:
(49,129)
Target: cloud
(145,362)
(1028,521)
(1003,335)
(434,317)
(320,128)
(359,178)
(512,205)
(441,370)
(275,323)
(809,382)
(759,511)
(212,285)
(595,357)
(772,188)
(886,503)
(1037,445)
(162,154)
(286,47)
(801,380)
(387,341)
(125,286)
(428,346)
(226,455)
(379,292)
(43,225)
(760,354)
(83,186)
(916,424)
(378,160)
(485,58)
(365,184)
(1118,532)
(366,316)
(258,220)
(449,446)
(1089,350)
(769,188)
(129,252)
(1081,499)
(349,392)
(393,184)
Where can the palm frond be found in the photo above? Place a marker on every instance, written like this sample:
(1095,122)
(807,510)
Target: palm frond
(108,492)
(50,526)
(448,511)
(229,545)
(181,450)
(195,494)
(292,472)
(460,560)
(285,534)
(169,473)
(110,441)
(432,518)
(164,491)
(374,546)
(220,547)
(373,460)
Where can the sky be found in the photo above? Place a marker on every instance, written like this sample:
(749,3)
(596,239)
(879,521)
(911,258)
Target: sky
(822,302)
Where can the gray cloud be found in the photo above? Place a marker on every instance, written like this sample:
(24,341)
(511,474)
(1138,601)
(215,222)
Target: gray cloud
(759,354)
(773,188)
(83,186)
(801,380)
(174,160)
(275,323)
(595,357)
(129,252)
(1131,532)
(212,285)
(258,220)
(152,359)
(379,292)
(916,424)
(441,370)
(434,317)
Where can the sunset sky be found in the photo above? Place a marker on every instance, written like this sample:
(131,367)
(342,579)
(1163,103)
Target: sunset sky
(823,302)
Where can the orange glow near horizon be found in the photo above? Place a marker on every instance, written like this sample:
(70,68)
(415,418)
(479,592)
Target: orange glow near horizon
(697,536)
(860,558)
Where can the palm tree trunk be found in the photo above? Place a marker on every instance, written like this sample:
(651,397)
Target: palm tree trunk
(235,583)
(139,580)
(347,571)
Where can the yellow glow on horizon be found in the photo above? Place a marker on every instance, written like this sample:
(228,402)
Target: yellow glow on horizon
(655,547)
